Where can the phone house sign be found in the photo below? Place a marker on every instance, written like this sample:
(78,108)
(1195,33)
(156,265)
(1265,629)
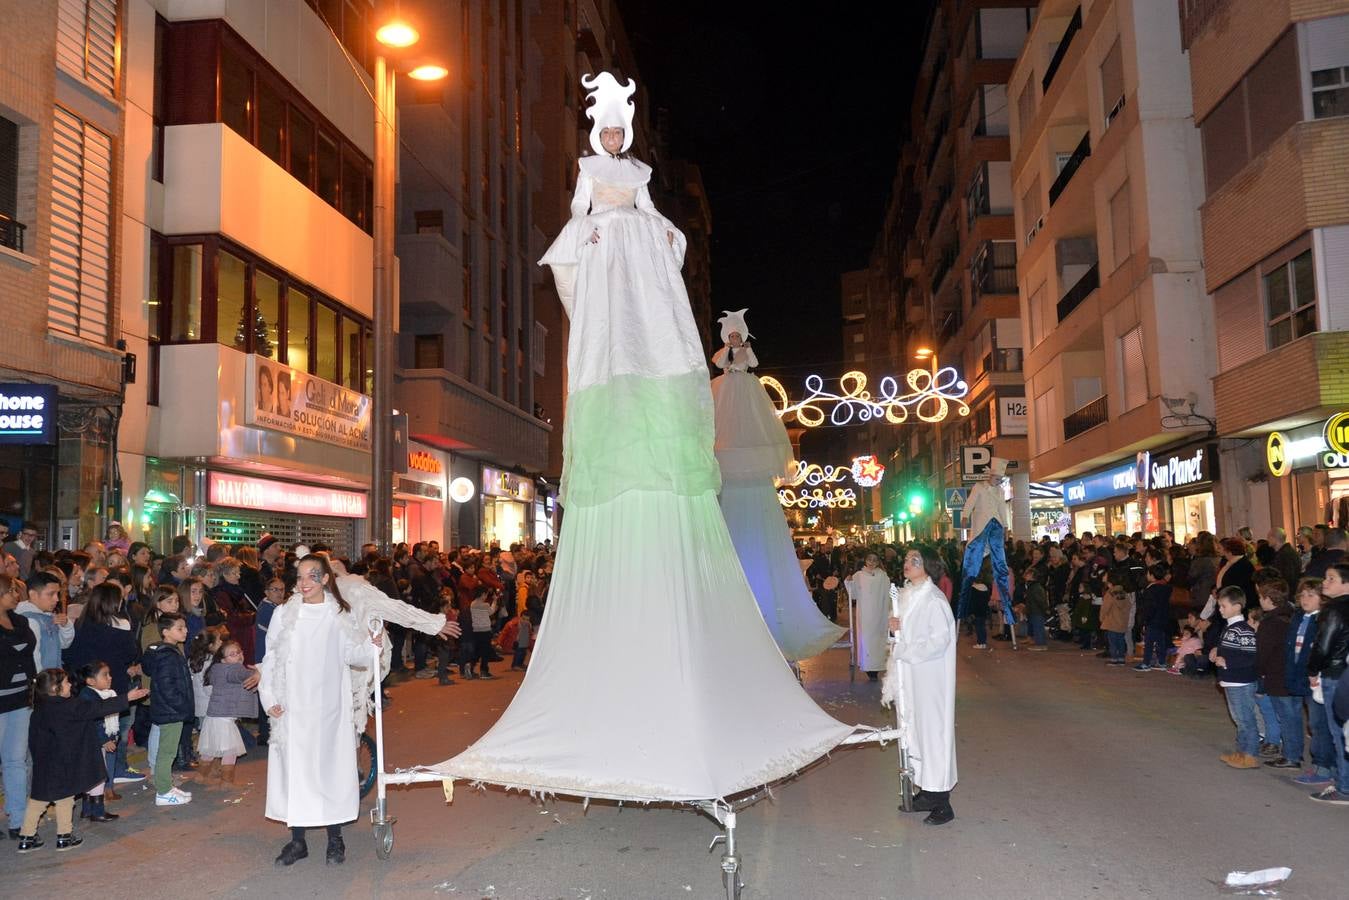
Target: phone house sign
(27,414)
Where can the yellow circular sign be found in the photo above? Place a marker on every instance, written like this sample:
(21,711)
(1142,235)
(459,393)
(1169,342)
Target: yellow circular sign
(1276,454)
(1337,432)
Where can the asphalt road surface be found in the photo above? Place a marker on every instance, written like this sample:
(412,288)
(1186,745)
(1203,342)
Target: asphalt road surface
(1076,780)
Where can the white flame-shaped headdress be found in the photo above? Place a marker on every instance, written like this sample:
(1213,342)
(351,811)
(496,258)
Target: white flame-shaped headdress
(611,107)
(733,320)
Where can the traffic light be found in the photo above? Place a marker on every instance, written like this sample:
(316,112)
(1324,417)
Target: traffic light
(902,516)
(917,501)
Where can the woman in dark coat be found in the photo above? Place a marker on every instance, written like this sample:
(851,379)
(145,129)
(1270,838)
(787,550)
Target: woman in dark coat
(63,743)
(1238,571)
(239,608)
(101,634)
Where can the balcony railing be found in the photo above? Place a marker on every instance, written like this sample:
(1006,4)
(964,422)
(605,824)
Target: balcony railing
(1090,281)
(944,265)
(994,270)
(1074,26)
(1088,417)
(11,233)
(1080,154)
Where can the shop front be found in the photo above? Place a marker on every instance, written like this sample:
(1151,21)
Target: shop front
(419,496)
(1183,481)
(1310,469)
(507,507)
(1156,491)
(280,451)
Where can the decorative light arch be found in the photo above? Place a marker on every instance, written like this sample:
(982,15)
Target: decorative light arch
(818,498)
(931,397)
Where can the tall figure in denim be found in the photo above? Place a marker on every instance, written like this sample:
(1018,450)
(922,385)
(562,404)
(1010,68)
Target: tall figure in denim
(989,517)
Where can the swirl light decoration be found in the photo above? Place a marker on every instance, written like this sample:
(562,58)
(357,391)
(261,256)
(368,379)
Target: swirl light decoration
(930,398)
(818,498)
(814,475)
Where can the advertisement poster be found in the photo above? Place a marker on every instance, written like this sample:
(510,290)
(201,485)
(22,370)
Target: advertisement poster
(283,399)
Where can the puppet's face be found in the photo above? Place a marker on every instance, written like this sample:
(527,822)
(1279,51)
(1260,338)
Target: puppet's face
(735,340)
(611,139)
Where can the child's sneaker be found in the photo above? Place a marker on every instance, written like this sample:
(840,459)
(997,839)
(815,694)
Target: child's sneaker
(182,793)
(130,776)
(1330,795)
(1142,667)
(29,842)
(67,842)
(174,797)
(1312,778)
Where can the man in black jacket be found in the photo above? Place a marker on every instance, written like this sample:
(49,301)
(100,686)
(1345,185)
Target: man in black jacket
(1286,558)
(1331,555)
(1328,663)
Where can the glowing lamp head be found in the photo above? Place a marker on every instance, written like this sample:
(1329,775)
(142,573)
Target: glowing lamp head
(923,353)
(429,73)
(397,35)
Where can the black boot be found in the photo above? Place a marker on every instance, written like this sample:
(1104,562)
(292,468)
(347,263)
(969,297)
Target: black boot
(293,852)
(67,842)
(97,812)
(85,806)
(941,810)
(337,850)
(28,842)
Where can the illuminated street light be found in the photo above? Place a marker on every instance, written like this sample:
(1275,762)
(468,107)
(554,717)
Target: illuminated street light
(923,353)
(429,73)
(397,35)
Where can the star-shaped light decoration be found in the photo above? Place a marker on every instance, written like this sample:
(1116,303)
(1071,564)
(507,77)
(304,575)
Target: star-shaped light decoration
(867,471)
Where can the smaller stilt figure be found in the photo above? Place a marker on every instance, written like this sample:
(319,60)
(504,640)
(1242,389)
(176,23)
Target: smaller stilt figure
(989,518)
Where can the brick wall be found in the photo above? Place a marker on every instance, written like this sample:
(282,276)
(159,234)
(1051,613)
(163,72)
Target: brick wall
(27,90)
(1297,184)
(1316,368)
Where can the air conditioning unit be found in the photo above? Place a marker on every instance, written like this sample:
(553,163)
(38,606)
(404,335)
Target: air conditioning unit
(1114,111)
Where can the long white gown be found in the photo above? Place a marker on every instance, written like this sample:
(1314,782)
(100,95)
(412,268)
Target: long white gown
(871,592)
(311,762)
(923,664)
(752,448)
(654,677)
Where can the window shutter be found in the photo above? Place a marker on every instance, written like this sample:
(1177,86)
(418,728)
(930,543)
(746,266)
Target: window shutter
(1134,372)
(1121,231)
(1112,77)
(81,229)
(86,41)
(9,168)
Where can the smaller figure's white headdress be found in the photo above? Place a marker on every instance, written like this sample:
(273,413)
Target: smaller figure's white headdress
(733,320)
(611,107)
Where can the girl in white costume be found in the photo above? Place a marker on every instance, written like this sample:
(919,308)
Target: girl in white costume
(752,449)
(690,699)
(306,688)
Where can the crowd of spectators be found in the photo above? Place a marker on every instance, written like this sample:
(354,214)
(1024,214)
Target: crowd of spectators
(114,646)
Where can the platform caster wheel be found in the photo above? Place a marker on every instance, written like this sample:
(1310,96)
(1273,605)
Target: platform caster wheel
(383,839)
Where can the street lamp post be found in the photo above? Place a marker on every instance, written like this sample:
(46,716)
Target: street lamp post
(396,35)
(939,501)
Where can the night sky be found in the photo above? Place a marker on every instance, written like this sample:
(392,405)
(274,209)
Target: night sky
(796,122)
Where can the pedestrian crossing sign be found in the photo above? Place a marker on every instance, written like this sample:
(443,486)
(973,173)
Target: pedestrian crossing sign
(955,497)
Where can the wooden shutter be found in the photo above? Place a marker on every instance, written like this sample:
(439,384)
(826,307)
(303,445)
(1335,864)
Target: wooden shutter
(1133,368)
(86,41)
(81,230)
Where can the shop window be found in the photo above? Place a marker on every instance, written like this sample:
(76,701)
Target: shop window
(353,188)
(1330,93)
(351,353)
(297,330)
(1290,300)
(329,170)
(185,294)
(271,122)
(232,327)
(430,221)
(301,148)
(267,303)
(325,342)
(236,92)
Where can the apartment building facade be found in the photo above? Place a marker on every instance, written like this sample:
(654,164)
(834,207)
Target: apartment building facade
(61,369)
(1106,173)
(1271,101)
(942,291)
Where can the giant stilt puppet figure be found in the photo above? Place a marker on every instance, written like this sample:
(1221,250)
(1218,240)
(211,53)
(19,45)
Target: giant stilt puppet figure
(989,518)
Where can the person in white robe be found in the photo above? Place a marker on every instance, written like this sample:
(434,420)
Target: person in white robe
(921,678)
(307,685)
(869,588)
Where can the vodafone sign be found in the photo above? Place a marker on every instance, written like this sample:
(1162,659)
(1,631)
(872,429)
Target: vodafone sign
(242,492)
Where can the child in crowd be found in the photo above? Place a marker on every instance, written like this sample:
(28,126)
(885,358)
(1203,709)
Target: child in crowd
(97,680)
(1188,651)
(1115,608)
(165,601)
(1037,607)
(171,704)
(1284,725)
(192,604)
(221,744)
(200,655)
(522,640)
(63,743)
(1235,658)
(482,609)
(1155,610)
